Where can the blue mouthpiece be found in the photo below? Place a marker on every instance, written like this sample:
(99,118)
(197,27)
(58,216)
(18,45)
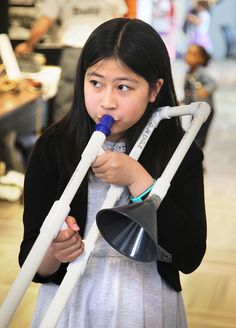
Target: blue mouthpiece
(105,125)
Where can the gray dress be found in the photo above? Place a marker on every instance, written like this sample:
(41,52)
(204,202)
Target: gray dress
(115,291)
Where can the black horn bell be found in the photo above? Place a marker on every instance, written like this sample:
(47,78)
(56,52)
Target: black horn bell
(132,230)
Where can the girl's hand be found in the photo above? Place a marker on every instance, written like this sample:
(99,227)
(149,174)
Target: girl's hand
(115,168)
(68,245)
(120,169)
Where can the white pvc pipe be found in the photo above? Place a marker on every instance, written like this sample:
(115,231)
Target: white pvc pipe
(77,267)
(90,153)
(61,208)
(49,230)
(200,112)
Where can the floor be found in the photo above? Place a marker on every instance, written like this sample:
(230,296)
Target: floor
(209,292)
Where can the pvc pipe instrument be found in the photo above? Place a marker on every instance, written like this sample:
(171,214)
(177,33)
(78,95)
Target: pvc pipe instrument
(54,222)
(60,209)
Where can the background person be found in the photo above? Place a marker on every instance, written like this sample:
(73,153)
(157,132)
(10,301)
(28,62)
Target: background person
(78,18)
(199,85)
(197,25)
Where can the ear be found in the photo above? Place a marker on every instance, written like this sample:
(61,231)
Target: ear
(154,92)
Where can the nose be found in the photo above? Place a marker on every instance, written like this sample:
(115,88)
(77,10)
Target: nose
(108,100)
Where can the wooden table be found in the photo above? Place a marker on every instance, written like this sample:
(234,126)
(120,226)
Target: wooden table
(23,111)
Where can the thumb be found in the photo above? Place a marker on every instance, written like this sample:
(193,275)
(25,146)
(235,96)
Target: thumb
(72,224)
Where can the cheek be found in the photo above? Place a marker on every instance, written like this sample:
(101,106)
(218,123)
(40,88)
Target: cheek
(135,108)
(142,101)
(89,101)
(88,104)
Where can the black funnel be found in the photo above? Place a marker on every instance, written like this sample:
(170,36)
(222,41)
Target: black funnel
(132,231)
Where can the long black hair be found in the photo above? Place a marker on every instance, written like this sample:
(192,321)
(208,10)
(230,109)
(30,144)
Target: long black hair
(139,47)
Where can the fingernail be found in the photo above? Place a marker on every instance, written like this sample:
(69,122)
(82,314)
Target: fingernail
(75,227)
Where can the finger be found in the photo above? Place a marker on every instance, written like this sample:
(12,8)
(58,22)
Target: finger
(71,252)
(66,238)
(100,160)
(72,224)
(72,256)
(100,170)
(65,235)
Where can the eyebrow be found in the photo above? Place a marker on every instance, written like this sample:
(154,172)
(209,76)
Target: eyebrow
(121,78)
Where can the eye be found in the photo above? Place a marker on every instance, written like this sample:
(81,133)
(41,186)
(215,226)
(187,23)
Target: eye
(95,83)
(122,87)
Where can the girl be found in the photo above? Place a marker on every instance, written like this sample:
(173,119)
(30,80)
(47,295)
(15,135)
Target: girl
(124,71)
(198,85)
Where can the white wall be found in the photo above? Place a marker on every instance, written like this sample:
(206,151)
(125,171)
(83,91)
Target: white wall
(223,13)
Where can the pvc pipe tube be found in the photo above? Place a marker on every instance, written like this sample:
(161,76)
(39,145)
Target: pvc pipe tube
(200,112)
(53,222)
(60,209)
(76,268)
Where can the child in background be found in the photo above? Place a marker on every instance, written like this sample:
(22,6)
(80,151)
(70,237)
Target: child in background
(197,25)
(124,70)
(198,85)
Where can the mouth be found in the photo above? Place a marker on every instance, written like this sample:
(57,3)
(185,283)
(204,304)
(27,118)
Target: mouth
(99,118)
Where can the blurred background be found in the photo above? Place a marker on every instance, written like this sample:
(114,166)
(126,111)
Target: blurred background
(28,87)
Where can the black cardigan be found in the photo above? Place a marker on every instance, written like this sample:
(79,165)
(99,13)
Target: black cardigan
(181,218)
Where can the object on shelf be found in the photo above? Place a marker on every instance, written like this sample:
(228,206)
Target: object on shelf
(31,62)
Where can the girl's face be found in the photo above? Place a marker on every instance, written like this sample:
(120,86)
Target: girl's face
(194,56)
(113,89)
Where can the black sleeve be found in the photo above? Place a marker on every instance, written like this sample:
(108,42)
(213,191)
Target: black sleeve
(181,217)
(40,192)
